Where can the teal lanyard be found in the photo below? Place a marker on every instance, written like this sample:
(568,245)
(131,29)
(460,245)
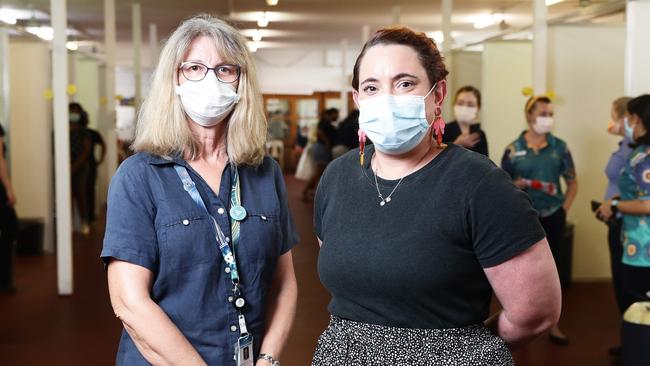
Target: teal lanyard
(237,214)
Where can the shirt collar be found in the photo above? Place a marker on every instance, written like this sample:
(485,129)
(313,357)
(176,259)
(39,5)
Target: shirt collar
(165,160)
(550,140)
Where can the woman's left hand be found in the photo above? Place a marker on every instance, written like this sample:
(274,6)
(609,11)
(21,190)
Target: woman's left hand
(604,212)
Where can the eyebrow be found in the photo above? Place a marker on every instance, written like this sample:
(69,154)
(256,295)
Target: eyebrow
(395,78)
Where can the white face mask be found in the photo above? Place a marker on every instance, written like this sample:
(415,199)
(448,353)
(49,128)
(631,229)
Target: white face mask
(465,114)
(209,101)
(394,123)
(543,125)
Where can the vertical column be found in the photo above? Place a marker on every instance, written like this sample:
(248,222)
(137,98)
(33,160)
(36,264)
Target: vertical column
(637,53)
(540,46)
(61,148)
(4,80)
(343,112)
(109,92)
(447,9)
(137,50)
(396,12)
(153,45)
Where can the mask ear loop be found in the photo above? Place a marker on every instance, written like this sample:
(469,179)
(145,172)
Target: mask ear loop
(438,126)
(362,145)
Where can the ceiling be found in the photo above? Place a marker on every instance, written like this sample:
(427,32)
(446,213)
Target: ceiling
(308,23)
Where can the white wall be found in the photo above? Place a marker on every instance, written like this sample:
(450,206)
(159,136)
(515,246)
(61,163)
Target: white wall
(31,132)
(467,69)
(586,73)
(301,71)
(507,69)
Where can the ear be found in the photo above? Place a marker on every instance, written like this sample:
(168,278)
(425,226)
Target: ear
(440,92)
(355,97)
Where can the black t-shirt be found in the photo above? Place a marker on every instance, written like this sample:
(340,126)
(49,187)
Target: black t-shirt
(452,131)
(418,261)
(4,144)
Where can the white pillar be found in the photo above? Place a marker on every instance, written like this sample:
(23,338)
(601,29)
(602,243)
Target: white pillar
(136,25)
(345,85)
(109,92)
(4,79)
(365,34)
(153,45)
(61,148)
(447,9)
(637,53)
(540,46)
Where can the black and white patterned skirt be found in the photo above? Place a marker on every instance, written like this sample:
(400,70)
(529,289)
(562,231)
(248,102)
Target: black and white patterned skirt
(350,343)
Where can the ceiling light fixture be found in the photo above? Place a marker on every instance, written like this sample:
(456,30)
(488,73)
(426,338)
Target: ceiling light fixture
(271,2)
(252,46)
(72,45)
(6,16)
(257,35)
(486,20)
(263,21)
(552,2)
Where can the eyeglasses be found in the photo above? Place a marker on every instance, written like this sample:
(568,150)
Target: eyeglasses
(196,71)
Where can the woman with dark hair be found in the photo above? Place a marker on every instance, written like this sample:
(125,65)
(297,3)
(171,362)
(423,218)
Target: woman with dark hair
(80,156)
(466,130)
(634,205)
(536,161)
(401,221)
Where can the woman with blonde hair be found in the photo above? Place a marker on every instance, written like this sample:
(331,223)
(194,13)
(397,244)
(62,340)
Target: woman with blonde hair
(199,235)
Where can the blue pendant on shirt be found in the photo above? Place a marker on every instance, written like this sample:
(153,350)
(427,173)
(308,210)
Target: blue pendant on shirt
(238,212)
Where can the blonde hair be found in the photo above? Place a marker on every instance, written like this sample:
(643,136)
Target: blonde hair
(162,127)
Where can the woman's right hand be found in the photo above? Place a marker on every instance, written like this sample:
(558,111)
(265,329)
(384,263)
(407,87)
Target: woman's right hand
(468,139)
(520,183)
(604,212)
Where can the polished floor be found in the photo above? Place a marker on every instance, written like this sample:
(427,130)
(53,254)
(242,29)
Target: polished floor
(38,327)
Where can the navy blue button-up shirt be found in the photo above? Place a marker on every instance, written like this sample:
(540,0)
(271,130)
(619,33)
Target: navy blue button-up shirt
(153,222)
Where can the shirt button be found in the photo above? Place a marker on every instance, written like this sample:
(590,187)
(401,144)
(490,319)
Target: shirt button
(186,222)
(221,210)
(263,217)
(233,328)
(230,298)
(227,270)
(227,239)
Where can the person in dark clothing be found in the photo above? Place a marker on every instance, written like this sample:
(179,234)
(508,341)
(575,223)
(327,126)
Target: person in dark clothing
(8,222)
(96,140)
(80,155)
(466,130)
(347,134)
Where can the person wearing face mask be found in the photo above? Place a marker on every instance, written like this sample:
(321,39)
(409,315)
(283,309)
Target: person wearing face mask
(634,205)
(402,220)
(466,129)
(80,155)
(199,234)
(536,161)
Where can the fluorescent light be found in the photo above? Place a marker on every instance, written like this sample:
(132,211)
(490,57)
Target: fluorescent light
(263,21)
(437,36)
(252,46)
(486,20)
(43,32)
(271,2)
(257,35)
(7,16)
(72,45)
(552,2)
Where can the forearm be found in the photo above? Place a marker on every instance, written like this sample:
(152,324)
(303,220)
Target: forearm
(154,334)
(572,190)
(515,335)
(634,207)
(280,315)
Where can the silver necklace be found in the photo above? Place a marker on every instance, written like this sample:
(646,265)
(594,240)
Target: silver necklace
(383,201)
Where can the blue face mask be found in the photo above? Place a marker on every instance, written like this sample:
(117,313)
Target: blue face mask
(629,130)
(394,123)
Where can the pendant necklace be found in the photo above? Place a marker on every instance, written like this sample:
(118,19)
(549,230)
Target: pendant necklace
(383,201)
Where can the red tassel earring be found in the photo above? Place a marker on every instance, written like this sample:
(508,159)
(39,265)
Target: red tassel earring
(362,145)
(438,126)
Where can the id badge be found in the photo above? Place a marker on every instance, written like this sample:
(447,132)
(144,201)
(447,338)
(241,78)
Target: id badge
(244,351)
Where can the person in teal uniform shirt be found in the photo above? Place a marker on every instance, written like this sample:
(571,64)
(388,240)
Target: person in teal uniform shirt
(536,161)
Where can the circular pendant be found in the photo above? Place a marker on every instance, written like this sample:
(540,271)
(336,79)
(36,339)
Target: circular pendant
(387,199)
(238,212)
(382,203)
(239,303)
